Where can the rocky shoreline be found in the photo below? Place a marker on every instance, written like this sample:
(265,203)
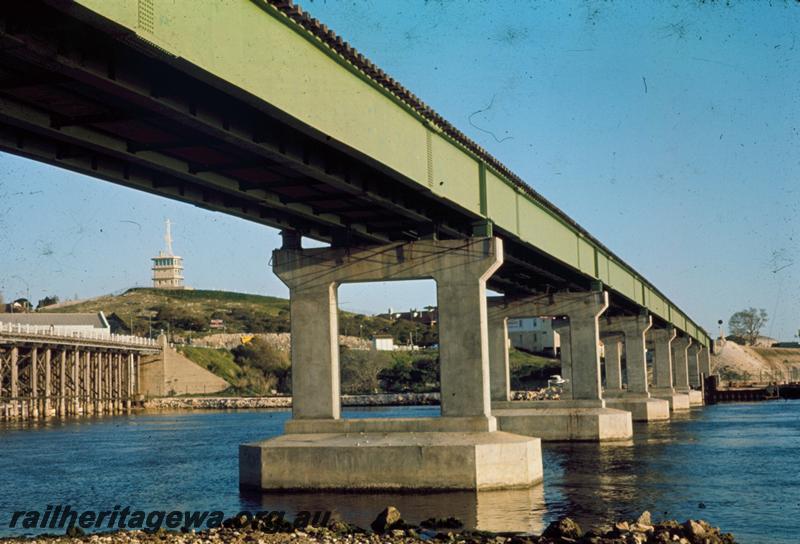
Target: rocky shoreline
(249,403)
(389,528)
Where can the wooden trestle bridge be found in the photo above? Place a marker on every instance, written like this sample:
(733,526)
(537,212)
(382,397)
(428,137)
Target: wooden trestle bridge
(46,372)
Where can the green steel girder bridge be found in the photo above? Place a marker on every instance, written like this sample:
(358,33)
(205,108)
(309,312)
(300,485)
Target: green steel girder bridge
(255,109)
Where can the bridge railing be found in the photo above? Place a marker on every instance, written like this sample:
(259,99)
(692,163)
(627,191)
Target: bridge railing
(55,331)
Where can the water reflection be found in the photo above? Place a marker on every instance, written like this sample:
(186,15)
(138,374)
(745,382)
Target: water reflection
(517,510)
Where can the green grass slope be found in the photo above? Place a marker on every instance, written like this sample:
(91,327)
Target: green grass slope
(218,361)
(188,311)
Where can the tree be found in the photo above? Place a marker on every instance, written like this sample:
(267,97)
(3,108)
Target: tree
(47,301)
(747,324)
(418,374)
(269,362)
(360,369)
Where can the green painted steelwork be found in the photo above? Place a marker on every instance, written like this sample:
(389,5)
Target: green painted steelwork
(256,48)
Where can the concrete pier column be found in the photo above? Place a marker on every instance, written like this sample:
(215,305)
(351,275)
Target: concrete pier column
(634,329)
(612,346)
(662,358)
(692,355)
(315,350)
(680,364)
(561,326)
(704,360)
(585,340)
(663,386)
(463,337)
(499,374)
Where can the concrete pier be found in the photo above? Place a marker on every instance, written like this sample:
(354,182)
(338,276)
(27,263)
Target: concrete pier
(460,450)
(582,414)
(704,360)
(680,363)
(663,386)
(636,399)
(561,326)
(693,355)
(612,344)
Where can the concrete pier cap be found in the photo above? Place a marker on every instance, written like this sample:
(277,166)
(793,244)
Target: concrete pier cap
(462,449)
(582,413)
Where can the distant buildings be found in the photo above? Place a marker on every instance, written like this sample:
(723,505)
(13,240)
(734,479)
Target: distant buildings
(18,306)
(428,316)
(534,334)
(383,342)
(168,267)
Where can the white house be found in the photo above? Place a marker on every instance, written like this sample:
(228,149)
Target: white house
(534,334)
(383,342)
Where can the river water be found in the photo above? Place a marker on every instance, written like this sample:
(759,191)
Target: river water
(736,465)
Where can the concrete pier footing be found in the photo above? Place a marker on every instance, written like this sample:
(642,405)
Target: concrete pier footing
(391,460)
(641,408)
(564,420)
(696,398)
(460,450)
(678,402)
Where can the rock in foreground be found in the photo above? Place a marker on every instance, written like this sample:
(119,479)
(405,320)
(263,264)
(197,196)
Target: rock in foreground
(389,528)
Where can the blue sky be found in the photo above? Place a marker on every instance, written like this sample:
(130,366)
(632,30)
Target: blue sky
(668,130)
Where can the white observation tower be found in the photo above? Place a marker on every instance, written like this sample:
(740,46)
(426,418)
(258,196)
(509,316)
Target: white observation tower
(167,267)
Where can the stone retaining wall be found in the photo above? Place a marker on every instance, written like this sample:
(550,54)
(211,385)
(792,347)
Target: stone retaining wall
(278,340)
(233,403)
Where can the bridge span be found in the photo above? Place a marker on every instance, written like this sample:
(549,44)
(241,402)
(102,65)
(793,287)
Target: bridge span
(255,109)
(46,372)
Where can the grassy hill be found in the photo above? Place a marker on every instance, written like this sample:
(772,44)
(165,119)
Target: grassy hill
(190,311)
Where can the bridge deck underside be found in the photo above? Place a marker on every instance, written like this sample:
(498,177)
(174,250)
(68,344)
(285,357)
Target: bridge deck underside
(102,104)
